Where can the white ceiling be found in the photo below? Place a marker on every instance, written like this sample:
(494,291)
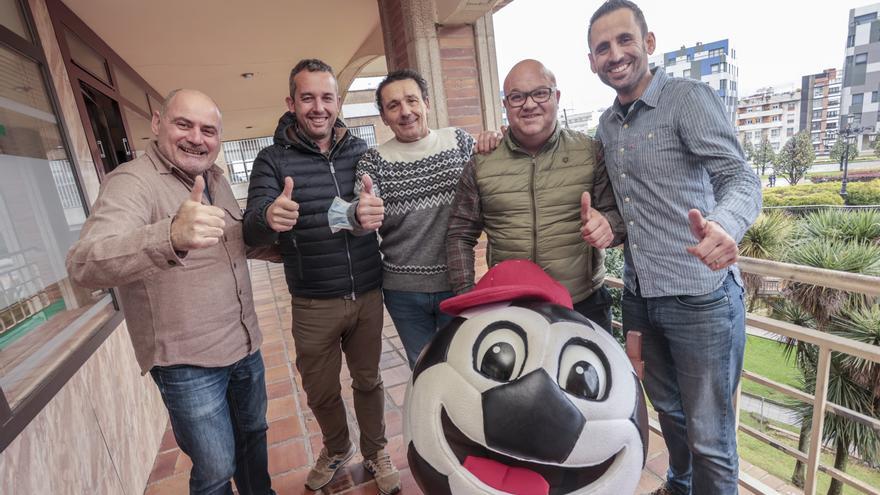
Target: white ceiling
(208,44)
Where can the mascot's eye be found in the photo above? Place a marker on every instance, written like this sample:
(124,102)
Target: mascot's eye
(583,371)
(501,352)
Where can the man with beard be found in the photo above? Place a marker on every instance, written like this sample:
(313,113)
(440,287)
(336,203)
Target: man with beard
(406,188)
(540,195)
(298,185)
(166,229)
(687,196)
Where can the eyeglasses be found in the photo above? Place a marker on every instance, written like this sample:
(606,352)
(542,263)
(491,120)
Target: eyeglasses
(517,99)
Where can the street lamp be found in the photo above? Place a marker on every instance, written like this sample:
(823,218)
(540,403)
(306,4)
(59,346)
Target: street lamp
(846,132)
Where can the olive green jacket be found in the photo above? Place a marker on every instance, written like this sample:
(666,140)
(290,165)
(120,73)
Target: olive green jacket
(529,207)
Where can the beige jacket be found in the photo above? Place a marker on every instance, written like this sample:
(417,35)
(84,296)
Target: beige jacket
(195,309)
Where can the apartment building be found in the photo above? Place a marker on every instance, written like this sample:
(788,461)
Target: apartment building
(820,108)
(771,114)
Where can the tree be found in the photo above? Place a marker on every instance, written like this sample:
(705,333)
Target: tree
(839,240)
(763,155)
(748,149)
(796,158)
(876,146)
(838,149)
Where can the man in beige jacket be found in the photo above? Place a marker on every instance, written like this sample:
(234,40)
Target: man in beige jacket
(166,230)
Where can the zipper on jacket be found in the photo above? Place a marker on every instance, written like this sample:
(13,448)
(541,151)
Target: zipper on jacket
(344,235)
(534,213)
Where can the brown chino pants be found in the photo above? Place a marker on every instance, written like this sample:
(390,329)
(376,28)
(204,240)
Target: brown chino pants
(324,329)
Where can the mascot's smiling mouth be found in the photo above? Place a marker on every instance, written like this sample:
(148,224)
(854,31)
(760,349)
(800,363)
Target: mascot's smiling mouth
(516,476)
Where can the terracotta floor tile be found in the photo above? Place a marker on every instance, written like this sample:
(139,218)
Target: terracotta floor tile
(280,408)
(168,441)
(277,373)
(397,393)
(164,465)
(284,429)
(279,389)
(395,376)
(177,485)
(287,456)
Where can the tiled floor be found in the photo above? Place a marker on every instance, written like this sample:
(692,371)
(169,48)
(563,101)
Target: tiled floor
(294,437)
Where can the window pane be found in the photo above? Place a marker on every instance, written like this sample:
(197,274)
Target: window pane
(131,90)
(12,19)
(88,59)
(42,316)
(139,129)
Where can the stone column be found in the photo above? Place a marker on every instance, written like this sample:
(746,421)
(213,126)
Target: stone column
(455,55)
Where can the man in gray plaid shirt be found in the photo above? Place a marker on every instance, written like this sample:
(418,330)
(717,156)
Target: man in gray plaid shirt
(687,196)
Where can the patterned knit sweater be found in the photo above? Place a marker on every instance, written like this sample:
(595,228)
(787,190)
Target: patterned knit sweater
(417,182)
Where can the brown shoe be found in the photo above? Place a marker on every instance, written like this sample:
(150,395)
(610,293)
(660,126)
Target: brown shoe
(383,471)
(325,467)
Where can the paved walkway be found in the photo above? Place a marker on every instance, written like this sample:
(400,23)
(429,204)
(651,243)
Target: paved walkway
(294,437)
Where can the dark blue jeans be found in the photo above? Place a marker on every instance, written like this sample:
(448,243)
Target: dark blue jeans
(219,420)
(417,317)
(693,351)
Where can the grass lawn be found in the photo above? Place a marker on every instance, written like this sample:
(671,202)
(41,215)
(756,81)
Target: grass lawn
(780,465)
(766,358)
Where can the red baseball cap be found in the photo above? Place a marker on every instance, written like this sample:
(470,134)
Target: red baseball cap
(508,281)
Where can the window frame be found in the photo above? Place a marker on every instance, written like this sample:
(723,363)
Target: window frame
(14,421)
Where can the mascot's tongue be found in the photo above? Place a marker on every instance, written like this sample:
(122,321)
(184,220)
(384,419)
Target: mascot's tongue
(514,480)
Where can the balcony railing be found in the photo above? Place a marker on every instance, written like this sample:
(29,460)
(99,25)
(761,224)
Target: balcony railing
(826,343)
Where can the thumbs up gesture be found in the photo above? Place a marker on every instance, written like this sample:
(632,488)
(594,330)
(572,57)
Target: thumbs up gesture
(595,228)
(283,213)
(716,249)
(196,225)
(370,209)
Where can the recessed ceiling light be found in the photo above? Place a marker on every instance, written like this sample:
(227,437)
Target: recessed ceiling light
(247,75)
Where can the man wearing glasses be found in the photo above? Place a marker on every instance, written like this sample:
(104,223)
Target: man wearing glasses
(542,194)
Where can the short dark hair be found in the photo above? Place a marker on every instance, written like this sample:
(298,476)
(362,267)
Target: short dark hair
(612,5)
(311,65)
(402,75)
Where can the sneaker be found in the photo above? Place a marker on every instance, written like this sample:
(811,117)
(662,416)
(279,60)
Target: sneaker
(662,490)
(325,467)
(383,471)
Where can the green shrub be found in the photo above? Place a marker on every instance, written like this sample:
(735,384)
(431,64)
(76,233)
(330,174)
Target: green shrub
(803,199)
(864,193)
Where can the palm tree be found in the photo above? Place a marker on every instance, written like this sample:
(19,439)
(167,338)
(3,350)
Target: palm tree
(766,239)
(853,383)
(834,240)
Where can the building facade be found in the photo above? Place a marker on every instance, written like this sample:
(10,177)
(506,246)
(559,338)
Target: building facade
(820,108)
(713,63)
(860,92)
(770,114)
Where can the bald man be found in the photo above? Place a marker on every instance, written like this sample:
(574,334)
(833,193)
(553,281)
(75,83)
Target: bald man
(542,194)
(167,230)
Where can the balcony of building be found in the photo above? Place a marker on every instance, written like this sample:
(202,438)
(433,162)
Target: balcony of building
(93,424)
(295,439)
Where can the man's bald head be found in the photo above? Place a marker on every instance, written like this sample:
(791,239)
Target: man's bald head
(187,129)
(532,103)
(528,66)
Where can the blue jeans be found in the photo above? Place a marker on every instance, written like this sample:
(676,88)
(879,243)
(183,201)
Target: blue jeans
(417,317)
(218,416)
(693,352)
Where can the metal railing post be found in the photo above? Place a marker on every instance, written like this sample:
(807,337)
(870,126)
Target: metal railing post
(819,404)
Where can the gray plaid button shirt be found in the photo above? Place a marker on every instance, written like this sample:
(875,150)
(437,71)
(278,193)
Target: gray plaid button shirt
(675,150)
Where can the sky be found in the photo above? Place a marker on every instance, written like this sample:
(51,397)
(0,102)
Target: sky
(776,41)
